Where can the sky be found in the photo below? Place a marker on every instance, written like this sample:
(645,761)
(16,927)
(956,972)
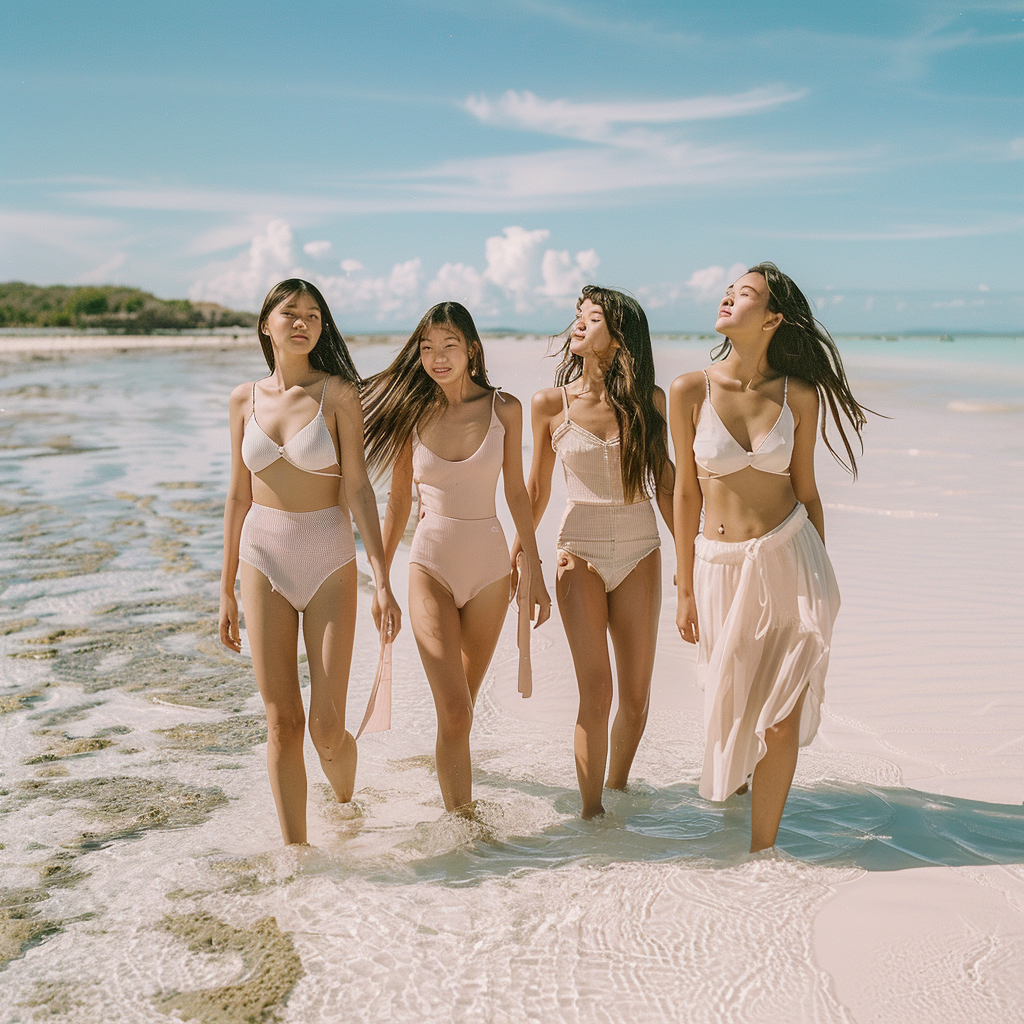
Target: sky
(503,154)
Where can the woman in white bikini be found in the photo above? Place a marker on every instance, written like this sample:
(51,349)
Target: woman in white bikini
(434,419)
(296,469)
(756,589)
(605,419)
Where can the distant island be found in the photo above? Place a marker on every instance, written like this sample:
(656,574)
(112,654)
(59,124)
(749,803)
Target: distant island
(112,308)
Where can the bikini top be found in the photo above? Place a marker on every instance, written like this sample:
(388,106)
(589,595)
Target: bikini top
(718,453)
(463,489)
(309,450)
(592,466)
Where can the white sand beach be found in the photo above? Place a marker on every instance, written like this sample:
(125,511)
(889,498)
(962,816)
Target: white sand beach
(142,875)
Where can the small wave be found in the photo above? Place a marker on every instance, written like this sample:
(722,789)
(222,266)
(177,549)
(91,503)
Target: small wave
(896,513)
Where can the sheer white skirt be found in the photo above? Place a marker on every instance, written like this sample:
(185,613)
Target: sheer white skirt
(765,609)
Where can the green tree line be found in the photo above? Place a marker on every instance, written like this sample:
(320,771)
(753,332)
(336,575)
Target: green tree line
(113,308)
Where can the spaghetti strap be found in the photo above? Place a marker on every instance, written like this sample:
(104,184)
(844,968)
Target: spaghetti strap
(565,403)
(707,383)
(324,392)
(785,390)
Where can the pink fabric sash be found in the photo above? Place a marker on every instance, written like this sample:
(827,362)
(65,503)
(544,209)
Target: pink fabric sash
(378,707)
(523,636)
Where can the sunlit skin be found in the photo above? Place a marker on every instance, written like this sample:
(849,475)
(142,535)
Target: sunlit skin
(629,614)
(456,644)
(287,400)
(749,503)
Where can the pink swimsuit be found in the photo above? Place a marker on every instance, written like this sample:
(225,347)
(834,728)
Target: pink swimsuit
(458,539)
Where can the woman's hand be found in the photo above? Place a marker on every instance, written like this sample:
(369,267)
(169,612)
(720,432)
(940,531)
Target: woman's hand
(386,612)
(538,597)
(686,619)
(513,583)
(229,635)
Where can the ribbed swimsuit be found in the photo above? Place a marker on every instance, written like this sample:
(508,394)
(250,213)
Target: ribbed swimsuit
(766,608)
(613,536)
(458,538)
(296,551)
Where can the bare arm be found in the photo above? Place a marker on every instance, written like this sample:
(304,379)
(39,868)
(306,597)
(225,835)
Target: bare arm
(686,393)
(666,482)
(545,404)
(396,517)
(236,505)
(363,502)
(803,400)
(510,412)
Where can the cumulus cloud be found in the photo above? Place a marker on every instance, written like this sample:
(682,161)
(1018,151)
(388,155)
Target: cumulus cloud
(519,275)
(712,281)
(242,283)
(317,249)
(563,277)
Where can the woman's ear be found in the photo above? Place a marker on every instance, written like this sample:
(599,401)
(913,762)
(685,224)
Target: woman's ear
(774,321)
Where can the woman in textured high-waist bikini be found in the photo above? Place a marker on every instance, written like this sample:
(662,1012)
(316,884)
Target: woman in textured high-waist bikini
(756,589)
(433,418)
(296,469)
(605,420)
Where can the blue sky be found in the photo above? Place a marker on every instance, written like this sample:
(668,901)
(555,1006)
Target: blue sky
(503,153)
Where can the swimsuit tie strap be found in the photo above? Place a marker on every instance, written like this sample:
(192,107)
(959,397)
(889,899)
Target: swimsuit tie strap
(378,707)
(523,635)
(764,592)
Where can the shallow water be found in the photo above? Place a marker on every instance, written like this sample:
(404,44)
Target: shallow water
(141,867)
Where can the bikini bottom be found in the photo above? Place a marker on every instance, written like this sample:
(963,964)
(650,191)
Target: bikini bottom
(463,555)
(296,551)
(613,539)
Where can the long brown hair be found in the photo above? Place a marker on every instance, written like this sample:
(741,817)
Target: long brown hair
(330,354)
(404,395)
(629,384)
(801,347)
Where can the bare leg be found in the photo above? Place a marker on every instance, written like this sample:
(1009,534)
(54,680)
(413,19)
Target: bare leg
(633,610)
(772,778)
(328,626)
(583,605)
(455,647)
(273,628)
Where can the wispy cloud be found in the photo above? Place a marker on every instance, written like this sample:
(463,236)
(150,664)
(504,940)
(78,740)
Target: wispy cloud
(910,232)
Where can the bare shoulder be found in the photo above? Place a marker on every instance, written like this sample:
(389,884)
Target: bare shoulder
(340,394)
(508,408)
(547,402)
(241,396)
(802,397)
(688,388)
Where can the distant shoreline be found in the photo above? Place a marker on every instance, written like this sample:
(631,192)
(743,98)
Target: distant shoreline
(39,341)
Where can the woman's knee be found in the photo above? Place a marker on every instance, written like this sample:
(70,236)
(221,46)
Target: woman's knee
(595,703)
(634,705)
(454,719)
(328,735)
(286,725)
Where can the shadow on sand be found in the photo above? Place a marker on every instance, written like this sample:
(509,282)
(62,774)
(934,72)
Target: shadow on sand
(837,824)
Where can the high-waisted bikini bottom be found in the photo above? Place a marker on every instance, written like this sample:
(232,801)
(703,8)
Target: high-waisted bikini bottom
(613,539)
(464,555)
(296,551)
(765,608)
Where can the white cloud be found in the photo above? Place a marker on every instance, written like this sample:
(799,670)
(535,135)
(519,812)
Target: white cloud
(85,237)
(457,282)
(593,121)
(317,249)
(512,264)
(101,274)
(562,276)
(983,288)
(242,283)
(711,282)
(351,266)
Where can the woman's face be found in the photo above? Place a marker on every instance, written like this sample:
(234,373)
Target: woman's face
(444,354)
(294,324)
(590,334)
(744,309)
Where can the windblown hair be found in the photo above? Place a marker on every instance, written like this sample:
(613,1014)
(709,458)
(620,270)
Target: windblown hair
(629,384)
(801,347)
(404,395)
(330,354)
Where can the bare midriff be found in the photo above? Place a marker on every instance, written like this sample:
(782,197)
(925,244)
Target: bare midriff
(283,486)
(747,504)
